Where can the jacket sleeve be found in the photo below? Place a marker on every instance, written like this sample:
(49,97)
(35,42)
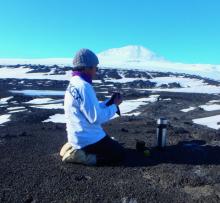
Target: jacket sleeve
(91,109)
(102,104)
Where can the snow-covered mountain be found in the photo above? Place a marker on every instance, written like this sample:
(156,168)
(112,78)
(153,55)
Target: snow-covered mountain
(141,58)
(131,57)
(128,54)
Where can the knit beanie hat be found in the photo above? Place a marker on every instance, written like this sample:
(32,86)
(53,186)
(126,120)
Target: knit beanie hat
(84,58)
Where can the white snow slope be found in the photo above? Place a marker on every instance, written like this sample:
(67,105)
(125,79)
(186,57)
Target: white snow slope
(130,57)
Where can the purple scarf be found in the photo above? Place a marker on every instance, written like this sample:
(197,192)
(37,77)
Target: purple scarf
(84,76)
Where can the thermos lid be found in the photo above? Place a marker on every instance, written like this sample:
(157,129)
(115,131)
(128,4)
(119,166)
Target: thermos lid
(163,121)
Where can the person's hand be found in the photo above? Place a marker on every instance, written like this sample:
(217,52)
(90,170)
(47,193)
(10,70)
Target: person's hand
(117,98)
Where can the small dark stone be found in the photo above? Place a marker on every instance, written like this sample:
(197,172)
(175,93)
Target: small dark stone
(23,134)
(188,123)
(29,199)
(124,130)
(82,177)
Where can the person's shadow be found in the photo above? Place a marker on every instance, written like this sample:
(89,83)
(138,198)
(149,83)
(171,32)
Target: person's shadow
(194,152)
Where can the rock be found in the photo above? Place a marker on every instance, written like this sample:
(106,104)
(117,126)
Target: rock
(110,73)
(29,199)
(136,74)
(174,85)
(23,134)
(124,130)
(171,85)
(188,122)
(140,84)
(82,177)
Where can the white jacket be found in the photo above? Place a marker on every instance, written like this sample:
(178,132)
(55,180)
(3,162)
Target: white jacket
(84,113)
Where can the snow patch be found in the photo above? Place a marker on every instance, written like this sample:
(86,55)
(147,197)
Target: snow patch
(39,101)
(188,109)
(39,92)
(211,122)
(49,106)
(5,100)
(57,118)
(184,82)
(214,101)
(124,80)
(204,89)
(16,111)
(22,73)
(126,107)
(4,118)
(210,107)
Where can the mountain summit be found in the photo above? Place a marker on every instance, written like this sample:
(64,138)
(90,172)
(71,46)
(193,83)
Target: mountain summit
(139,57)
(128,54)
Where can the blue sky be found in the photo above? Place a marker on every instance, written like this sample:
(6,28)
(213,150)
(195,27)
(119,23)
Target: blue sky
(185,31)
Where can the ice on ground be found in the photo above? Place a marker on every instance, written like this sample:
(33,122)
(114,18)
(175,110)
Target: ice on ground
(211,122)
(16,111)
(126,107)
(104,92)
(214,101)
(184,82)
(22,73)
(188,85)
(49,106)
(15,108)
(5,100)
(188,109)
(97,81)
(39,92)
(124,80)
(46,103)
(4,118)
(168,99)
(108,85)
(39,101)
(57,118)
(210,107)
(203,89)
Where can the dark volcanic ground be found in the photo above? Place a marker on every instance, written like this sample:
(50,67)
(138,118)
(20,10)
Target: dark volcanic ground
(188,170)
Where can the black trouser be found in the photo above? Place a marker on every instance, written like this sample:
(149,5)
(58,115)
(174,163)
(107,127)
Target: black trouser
(108,151)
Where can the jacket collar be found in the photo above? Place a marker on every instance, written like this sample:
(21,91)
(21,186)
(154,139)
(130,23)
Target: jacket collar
(84,76)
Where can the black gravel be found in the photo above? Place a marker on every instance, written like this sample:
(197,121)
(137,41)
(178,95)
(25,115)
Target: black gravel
(187,170)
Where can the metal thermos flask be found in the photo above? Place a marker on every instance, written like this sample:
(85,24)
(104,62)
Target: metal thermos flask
(161,132)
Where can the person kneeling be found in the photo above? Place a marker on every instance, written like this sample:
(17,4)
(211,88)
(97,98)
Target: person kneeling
(87,141)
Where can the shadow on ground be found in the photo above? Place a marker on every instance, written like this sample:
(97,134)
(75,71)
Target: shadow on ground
(194,152)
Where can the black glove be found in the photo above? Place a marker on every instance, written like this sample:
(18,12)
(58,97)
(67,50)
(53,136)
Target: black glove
(111,101)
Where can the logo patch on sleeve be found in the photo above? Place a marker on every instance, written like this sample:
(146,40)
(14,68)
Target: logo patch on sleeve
(74,92)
